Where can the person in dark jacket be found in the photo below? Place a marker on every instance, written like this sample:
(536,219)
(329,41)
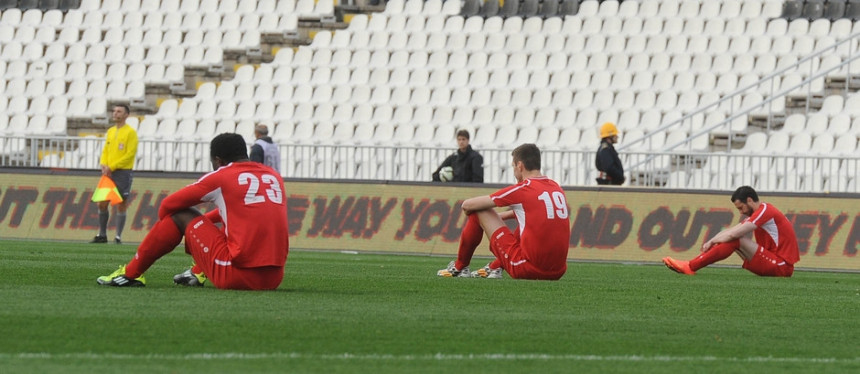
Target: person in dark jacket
(607,162)
(468,164)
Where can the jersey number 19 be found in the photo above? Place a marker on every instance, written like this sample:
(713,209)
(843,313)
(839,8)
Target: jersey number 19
(555,205)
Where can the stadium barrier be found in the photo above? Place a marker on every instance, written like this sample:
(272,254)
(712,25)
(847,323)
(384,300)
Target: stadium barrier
(607,224)
(678,169)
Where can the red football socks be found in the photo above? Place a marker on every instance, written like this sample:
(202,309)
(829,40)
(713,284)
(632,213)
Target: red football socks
(496,264)
(718,252)
(161,240)
(470,238)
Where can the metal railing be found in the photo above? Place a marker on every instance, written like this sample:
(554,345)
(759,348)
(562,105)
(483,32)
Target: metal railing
(720,171)
(727,171)
(784,172)
(732,101)
(297,161)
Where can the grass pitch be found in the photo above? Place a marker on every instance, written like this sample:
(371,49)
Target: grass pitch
(347,313)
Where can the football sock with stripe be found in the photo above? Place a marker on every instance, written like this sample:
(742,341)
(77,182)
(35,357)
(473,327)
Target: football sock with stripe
(718,252)
(161,240)
(470,238)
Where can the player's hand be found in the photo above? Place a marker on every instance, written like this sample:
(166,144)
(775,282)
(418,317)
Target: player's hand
(708,244)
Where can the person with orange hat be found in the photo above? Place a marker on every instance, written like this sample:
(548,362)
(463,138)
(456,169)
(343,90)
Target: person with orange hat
(607,162)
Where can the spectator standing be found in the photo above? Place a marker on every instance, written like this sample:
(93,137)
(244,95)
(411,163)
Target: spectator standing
(467,164)
(117,162)
(264,150)
(607,162)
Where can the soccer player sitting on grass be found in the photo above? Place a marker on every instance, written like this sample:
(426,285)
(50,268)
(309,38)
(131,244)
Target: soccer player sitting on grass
(538,247)
(773,253)
(248,253)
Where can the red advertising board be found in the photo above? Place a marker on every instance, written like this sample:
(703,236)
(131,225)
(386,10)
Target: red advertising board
(607,224)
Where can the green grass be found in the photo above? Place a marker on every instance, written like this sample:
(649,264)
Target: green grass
(347,313)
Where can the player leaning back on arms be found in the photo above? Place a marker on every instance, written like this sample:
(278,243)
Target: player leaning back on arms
(248,253)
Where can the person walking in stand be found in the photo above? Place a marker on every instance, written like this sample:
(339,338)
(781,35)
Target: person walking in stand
(538,248)
(607,162)
(117,162)
(264,150)
(250,250)
(773,253)
(467,164)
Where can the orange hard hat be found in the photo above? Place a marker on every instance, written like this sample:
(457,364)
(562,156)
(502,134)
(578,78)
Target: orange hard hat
(608,129)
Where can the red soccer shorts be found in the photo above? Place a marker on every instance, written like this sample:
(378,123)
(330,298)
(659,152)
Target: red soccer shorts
(767,263)
(207,244)
(506,247)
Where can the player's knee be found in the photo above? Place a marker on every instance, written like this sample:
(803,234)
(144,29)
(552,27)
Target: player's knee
(183,217)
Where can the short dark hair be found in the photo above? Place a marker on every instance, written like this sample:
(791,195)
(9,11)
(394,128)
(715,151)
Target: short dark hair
(228,147)
(529,154)
(744,192)
(463,133)
(127,110)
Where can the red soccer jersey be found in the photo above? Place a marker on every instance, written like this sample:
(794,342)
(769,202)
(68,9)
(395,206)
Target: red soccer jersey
(774,232)
(252,207)
(541,210)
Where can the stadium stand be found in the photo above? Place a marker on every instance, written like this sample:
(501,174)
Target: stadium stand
(690,84)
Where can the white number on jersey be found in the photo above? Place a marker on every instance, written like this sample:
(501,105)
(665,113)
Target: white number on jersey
(555,205)
(273,192)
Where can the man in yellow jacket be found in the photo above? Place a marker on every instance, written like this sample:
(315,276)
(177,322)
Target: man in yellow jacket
(117,161)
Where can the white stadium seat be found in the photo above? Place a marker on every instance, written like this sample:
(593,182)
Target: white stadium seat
(409,74)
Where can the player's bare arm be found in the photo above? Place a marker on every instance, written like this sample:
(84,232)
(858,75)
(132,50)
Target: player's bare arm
(508,214)
(477,204)
(736,232)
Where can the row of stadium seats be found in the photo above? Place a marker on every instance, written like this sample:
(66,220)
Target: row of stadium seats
(42,5)
(138,27)
(665,98)
(809,9)
(27,37)
(621,9)
(792,9)
(815,9)
(524,8)
(165,6)
(108,51)
(571,25)
(37,124)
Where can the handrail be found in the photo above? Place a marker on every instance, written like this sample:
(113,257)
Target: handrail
(746,111)
(399,163)
(738,92)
